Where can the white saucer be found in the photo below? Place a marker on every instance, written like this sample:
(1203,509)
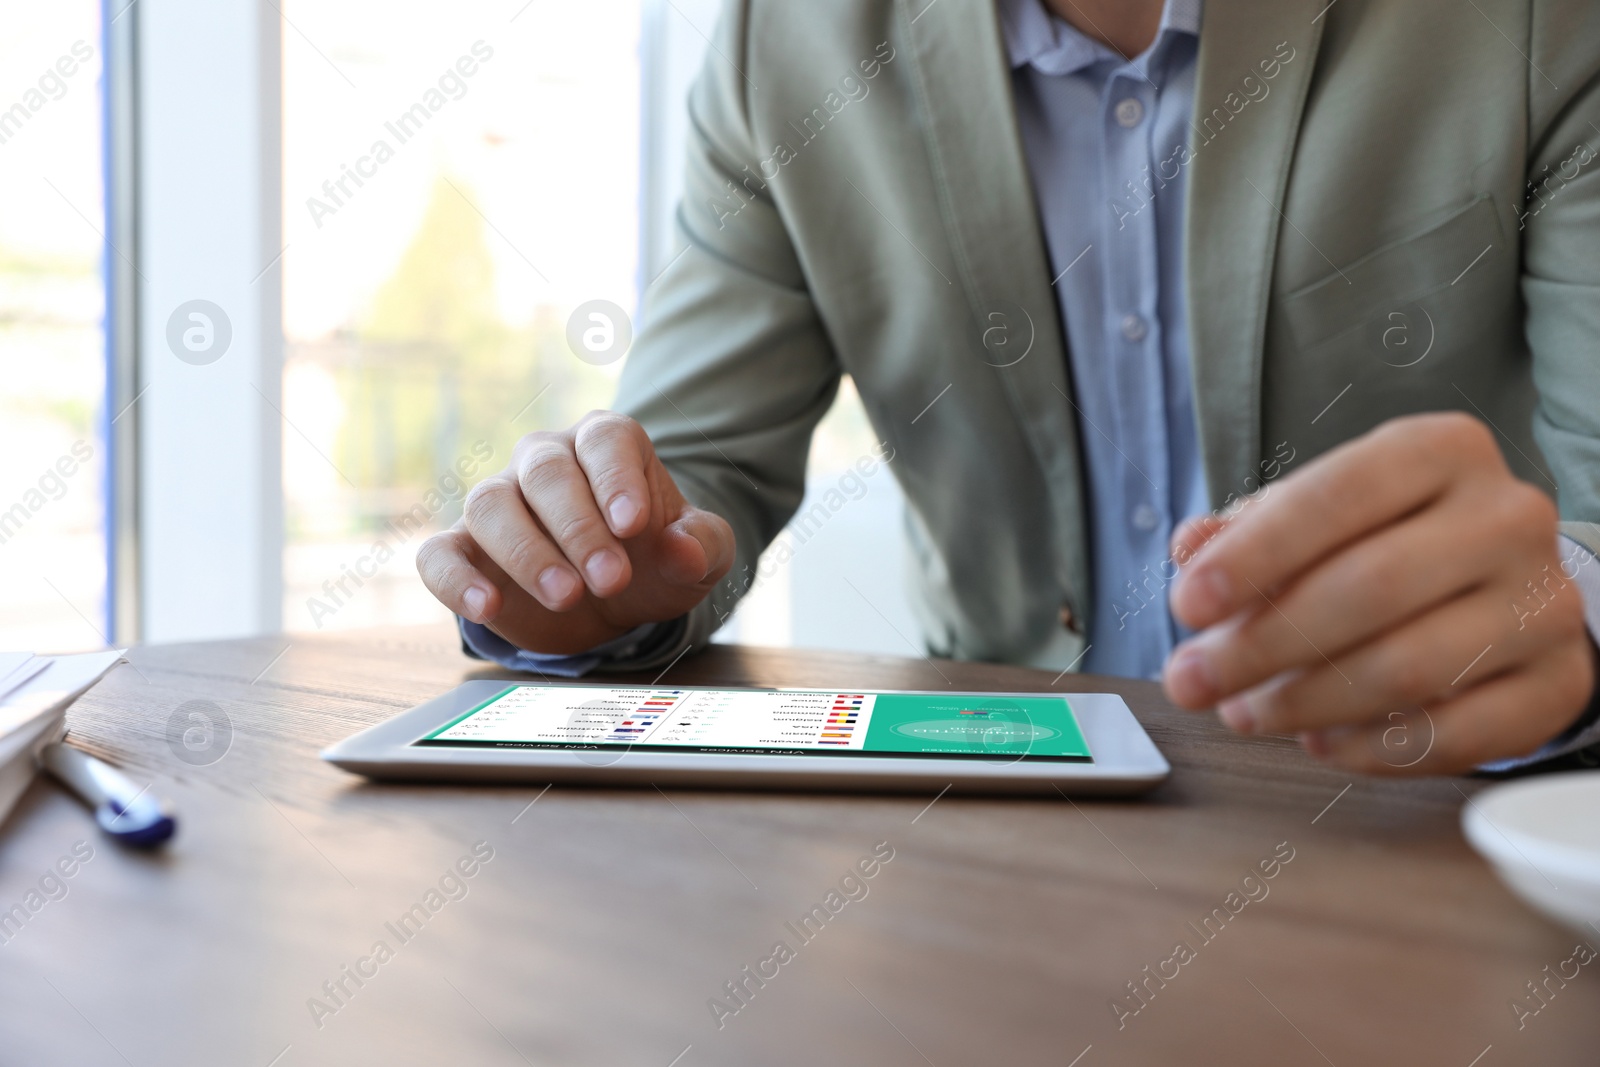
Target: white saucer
(1542,835)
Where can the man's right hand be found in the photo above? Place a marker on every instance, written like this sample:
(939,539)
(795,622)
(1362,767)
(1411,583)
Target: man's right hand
(584,537)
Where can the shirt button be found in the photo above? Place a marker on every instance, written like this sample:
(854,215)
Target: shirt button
(1145,518)
(1128,112)
(1133,327)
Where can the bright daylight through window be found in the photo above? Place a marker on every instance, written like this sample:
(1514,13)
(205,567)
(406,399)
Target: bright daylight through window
(459,188)
(52,340)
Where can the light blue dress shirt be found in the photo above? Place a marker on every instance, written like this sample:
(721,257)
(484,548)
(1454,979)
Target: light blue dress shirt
(1102,135)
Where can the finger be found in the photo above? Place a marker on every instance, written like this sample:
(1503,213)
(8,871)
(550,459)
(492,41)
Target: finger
(1431,659)
(559,494)
(446,568)
(1509,716)
(1360,592)
(1192,534)
(698,549)
(614,451)
(1361,485)
(498,519)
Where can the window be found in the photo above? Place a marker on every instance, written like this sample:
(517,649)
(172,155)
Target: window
(52,339)
(458,179)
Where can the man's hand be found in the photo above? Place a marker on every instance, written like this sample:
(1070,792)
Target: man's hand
(584,537)
(1399,604)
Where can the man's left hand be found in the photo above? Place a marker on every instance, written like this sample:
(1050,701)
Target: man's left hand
(1400,604)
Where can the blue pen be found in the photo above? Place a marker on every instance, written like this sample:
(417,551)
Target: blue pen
(122,809)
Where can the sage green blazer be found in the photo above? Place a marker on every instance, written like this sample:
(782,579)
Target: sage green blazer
(1394,207)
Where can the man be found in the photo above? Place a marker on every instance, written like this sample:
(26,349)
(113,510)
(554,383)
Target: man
(1299,299)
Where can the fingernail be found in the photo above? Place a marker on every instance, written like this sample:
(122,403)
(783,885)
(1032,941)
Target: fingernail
(1237,713)
(556,583)
(603,568)
(623,511)
(476,602)
(1193,677)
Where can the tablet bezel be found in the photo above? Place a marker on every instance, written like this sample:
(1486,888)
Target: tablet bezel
(1124,759)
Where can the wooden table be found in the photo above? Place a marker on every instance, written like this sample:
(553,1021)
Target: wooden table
(606,921)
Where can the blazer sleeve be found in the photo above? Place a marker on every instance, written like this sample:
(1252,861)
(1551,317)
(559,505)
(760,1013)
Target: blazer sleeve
(1561,252)
(732,367)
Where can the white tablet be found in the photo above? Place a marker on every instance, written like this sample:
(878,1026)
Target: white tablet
(763,738)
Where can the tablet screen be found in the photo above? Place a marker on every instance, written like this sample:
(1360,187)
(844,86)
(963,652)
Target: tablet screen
(786,722)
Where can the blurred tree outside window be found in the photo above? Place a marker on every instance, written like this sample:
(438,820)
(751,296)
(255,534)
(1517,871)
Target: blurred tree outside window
(426,317)
(426,311)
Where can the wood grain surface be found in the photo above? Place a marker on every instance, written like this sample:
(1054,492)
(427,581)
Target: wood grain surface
(605,925)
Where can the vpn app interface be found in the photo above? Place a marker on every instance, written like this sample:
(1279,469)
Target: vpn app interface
(784,722)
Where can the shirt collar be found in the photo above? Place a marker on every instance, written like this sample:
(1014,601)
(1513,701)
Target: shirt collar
(1034,36)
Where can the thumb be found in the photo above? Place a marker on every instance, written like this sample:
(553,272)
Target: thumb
(697,548)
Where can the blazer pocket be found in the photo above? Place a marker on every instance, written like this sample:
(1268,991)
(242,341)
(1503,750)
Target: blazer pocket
(1392,276)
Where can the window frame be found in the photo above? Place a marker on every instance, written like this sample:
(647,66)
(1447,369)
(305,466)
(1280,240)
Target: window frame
(193,201)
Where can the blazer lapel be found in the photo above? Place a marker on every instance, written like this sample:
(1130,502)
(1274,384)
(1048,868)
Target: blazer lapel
(969,121)
(1238,176)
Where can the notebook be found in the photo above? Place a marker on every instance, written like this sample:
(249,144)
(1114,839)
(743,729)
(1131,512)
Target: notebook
(35,692)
